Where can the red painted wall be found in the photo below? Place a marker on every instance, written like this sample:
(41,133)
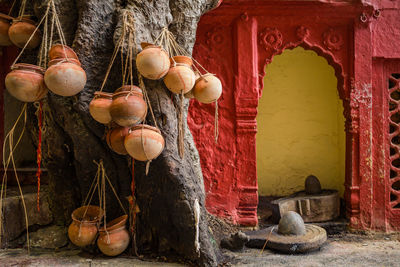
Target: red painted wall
(239,38)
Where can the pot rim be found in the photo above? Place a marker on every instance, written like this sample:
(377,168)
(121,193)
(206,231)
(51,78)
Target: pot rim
(6,17)
(28,67)
(121,89)
(99,94)
(181,60)
(125,93)
(67,48)
(75,213)
(64,60)
(205,75)
(145,45)
(115,224)
(24,19)
(145,126)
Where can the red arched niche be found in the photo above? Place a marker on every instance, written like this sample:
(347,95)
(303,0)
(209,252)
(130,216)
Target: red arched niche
(236,41)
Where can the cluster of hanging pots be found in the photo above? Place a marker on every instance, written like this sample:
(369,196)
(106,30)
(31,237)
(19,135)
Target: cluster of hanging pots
(154,63)
(112,238)
(64,76)
(124,110)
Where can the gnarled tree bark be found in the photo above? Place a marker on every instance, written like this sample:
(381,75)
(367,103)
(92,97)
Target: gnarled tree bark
(167,195)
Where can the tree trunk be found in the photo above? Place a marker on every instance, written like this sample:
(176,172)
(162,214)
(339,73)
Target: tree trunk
(167,195)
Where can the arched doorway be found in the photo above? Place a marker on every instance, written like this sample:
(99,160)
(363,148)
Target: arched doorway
(300,125)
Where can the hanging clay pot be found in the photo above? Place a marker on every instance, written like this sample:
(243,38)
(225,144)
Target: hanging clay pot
(144,142)
(114,238)
(190,94)
(115,139)
(65,77)
(99,107)
(5,22)
(62,51)
(180,76)
(21,30)
(25,82)
(207,89)
(128,107)
(153,62)
(83,229)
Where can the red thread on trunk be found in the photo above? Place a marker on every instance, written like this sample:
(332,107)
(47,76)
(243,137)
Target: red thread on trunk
(39,153)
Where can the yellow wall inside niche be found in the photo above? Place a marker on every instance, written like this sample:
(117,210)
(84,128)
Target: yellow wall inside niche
(300,125)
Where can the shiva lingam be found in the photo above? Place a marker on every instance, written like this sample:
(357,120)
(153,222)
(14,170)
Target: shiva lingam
(293,236)
(314,204)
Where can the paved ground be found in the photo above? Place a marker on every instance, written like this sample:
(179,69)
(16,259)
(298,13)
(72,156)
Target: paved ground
(349,251)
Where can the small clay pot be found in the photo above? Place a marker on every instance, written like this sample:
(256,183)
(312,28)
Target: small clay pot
(115,139)
(128,108)
(207,89)
(65,77)
(21,30)
(144,143)
(114,238)
(5,22)
(62,51)
(99,107)
(83,229)
(180,76)
(25,82)
(153,62)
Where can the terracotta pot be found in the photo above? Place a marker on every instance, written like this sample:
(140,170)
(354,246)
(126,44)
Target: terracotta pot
(180,76)
(144,142)
(128,108)
(207,88)
(62,51)
(21,30)
(99,107)
(5,22)
(25,82)
(153,62)
(114,238)
(115,139)
(83,229)
(65,77)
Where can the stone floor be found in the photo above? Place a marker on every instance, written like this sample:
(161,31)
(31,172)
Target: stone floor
(348,250)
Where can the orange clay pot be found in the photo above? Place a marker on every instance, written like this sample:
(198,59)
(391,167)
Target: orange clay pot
(99,107)
(114,238)
(180,76)
(144,142)
(5,22)
(153,62)
(25,82)
(207,89)
(128,108)
(62,51)
(83,229)
(115,139)
(65,77)
(21,30)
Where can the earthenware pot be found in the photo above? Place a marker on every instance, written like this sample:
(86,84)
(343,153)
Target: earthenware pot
(207,89)
(65,77)
(115,139)
(153,62)
(128,108)
(99,107)
(62,51)
(114,238)
(144,142)
(180,76)
(83,229)
(21,30)
(5,22)
(25,82)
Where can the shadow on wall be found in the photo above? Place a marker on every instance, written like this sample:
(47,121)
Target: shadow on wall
(300,125)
